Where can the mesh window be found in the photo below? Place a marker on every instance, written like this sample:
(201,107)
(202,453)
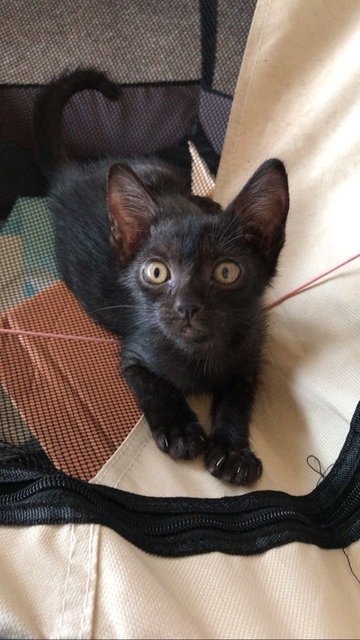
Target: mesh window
(62,401)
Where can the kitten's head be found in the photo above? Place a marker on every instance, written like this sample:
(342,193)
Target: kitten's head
(199,273)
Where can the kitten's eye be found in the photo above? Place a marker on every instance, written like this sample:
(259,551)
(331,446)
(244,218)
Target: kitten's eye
(226,272)
(156,272)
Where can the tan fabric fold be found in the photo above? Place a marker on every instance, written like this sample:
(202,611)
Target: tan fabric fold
(296,99)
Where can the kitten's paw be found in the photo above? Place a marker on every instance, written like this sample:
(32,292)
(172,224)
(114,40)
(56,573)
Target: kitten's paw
(237,465)
(185,441)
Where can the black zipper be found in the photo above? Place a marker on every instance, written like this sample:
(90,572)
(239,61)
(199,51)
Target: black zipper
(251,523)
(228,522)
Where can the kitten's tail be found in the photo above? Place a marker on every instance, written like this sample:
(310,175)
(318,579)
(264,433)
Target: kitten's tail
(49,106)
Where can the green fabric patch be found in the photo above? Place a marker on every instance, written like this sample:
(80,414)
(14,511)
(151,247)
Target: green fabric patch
(30,221)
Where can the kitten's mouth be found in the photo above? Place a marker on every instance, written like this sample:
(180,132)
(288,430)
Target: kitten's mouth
(185,333)
(190,332)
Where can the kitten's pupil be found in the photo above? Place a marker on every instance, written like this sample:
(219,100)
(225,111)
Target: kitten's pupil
(156,272)
(226,272)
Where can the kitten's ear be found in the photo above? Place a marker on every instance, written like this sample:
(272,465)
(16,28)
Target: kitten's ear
(131,210)
(261,209)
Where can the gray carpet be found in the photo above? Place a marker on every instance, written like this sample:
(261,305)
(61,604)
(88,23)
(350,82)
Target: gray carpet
(133,40)
(150,40)
(234,21)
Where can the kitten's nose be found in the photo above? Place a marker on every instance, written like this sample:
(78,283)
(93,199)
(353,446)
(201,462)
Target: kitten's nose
(186,310)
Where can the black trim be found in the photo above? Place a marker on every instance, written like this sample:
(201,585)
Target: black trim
(125,85)
(221,94)
(130,85)
(329,516)
(208,18)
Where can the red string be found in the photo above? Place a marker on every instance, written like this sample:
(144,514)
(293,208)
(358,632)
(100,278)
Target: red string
(290,294)
(61,336)
(304,286)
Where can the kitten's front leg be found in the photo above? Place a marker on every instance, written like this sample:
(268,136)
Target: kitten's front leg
(228,455)
(173,424)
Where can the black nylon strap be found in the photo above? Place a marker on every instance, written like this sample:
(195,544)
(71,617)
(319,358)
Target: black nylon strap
(208,18)
(329,516)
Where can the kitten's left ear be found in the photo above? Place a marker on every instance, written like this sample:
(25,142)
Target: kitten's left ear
(261,210)
(131,210)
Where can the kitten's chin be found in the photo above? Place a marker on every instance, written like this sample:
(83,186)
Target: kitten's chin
(192,340)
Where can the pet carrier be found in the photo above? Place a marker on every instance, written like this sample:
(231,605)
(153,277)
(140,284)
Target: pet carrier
(141,545)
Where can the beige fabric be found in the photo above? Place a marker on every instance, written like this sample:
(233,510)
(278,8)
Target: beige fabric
(48,581)
(297,98)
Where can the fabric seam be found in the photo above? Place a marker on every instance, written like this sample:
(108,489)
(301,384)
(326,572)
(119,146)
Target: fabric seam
(67,579)
(89,576)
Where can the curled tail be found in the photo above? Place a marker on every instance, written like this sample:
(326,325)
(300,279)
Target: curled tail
(49,106)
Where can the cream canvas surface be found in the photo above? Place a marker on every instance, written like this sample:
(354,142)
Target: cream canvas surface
(297,98)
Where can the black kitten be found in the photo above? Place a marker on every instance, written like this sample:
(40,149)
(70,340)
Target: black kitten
(180,282)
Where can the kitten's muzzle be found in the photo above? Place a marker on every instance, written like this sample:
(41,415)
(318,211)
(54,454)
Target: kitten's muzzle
(190,328)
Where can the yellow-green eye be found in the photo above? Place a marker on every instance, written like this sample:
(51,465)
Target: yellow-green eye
(226,272)
(156,272)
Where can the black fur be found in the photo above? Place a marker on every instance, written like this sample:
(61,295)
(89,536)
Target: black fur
(190,334)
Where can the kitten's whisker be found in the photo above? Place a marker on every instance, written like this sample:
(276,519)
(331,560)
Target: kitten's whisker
(230,240)
(223,231)
(116,306)
(197,367)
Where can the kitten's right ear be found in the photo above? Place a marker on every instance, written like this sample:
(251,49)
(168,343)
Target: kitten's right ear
(261,209)
(131,210)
